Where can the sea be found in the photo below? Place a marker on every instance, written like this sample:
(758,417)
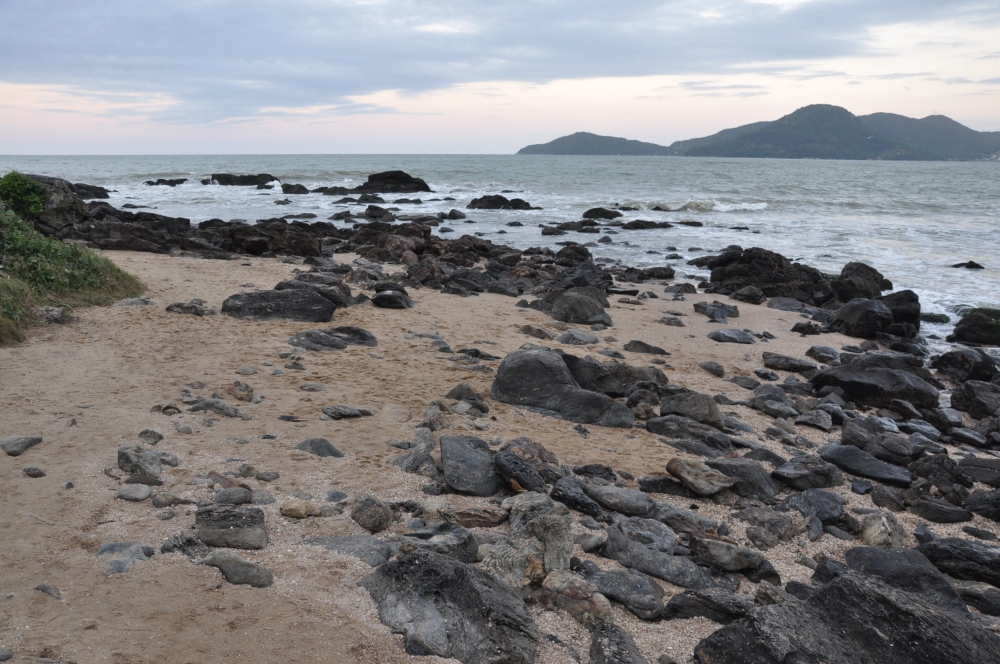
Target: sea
(910,220)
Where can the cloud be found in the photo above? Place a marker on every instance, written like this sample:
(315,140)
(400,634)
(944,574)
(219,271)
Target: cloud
(221,59)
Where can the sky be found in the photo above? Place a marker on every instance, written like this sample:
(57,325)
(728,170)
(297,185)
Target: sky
(441,76)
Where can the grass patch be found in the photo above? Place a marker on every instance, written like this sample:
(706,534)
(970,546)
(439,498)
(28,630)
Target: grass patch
(24,196)
(38,270)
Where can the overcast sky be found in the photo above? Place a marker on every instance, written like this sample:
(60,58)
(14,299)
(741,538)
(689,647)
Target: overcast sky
(342,76)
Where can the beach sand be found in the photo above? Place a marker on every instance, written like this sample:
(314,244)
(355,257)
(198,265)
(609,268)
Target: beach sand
(88,387)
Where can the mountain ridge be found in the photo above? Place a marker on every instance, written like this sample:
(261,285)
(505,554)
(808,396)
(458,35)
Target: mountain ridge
(818,131)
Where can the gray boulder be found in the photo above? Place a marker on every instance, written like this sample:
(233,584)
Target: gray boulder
(298,305)
(237,570)
(878,387)
(446,608)
(862,318)
(699,407)
(18,445)
(467,465)
(540,379)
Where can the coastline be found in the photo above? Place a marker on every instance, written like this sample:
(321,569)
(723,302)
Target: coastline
(88,387)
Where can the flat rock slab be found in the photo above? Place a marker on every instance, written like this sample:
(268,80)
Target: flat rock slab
(334,338)
(237,570)
(857,462)
(731,336)
(231,526)
(873,386)
(299,305)
(18,445)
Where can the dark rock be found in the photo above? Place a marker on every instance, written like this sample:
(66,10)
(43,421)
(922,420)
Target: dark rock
(907,570)
(639,593)
(858,462)
(698,407)
(978,326)
(518,472)
(226,179)
(237,570)
(964,559)
(818,419)
(664,484)
(849,620)
(621,500)
(445,539)
(468,465)
(18,445)
(193,308)
(878,387)
(772,273)
(392,182)
(700,478)
(862,318)
(370,513)
(713,368)
(540,379)
(981,596)
(966,364)
(335,338)
(716,604)
(298,305)
(447,608)
(601,213)
(808,472)
(642,347)
(977,398)
(731,336)
(749,294)
(392,300)
(579,309)
(320,447)
(231,526)
(571,492)
(905,308)
(886,498)
(610,644)
(600,470)
(983,470)
(939,511)
(636,555)
(754,480)
(826,506)
(824,354)
(985,504)
(786,363)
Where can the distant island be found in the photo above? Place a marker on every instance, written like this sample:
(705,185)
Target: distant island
(819,131)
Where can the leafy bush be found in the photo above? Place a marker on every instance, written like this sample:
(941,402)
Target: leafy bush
(35,269)
(22,195)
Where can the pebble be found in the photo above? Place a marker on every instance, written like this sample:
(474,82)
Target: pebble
(34,472)
(246,371)
(150,436)
(311,387)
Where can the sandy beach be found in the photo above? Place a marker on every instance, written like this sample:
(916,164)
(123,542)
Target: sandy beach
(88,387)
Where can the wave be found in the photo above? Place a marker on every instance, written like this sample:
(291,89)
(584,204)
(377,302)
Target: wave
(715,206)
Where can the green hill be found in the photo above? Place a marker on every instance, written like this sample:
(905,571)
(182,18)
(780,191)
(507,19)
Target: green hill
(584,143)
(683,147)
(819,131)
(935,134)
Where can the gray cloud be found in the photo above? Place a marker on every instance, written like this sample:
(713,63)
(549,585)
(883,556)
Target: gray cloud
(225,59)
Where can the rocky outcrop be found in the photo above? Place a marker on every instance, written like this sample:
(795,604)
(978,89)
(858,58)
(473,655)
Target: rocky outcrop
(392,182)
(773,274)
(978,326)
(878,387)
(851,619)
(498,202)
(300,305)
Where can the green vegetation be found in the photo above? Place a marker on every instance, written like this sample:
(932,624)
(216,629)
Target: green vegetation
(981,326)
(37,270)
(22,195)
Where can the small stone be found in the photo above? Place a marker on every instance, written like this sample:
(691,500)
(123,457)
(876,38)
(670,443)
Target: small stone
(714,368)
(34,472)
(311,387)
(165,515)
(320,447)
(135,493)
(150,436)
(237,570)
(296,508)
(17,445)
(371,513)
(247,371)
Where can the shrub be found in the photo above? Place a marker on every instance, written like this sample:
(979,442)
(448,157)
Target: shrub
(22,195)
(35,269)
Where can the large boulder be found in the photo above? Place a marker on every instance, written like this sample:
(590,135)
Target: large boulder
(540,379)
(862,318)
(905,308)
(853,619)
(977,398)
(299,305)
(878,387)
(468,465)
(772,273)
(964,559)
(63,207)
(978,326)
(856,461)
(392,182)
(964,364)
(446,608)
(907,570)
(858,280)
(699,407)
(579,309)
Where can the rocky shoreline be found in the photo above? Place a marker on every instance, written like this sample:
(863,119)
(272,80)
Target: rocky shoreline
(574,462)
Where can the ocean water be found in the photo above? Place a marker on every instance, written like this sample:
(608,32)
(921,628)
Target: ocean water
(910,220)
